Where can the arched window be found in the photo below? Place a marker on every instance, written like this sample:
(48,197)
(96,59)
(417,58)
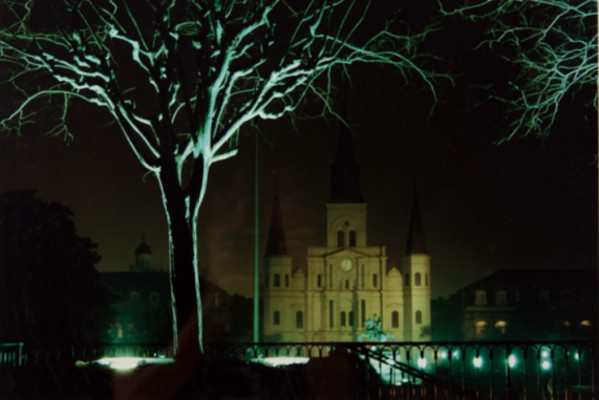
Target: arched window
(480,298)
(276,280)
(501,298)
(319,280)
(342,318)
(395,319)
(276,318)
(352,238)
(417,279)
(480,328)
(119,330)
(340,239)
(299,319)
(375,280)
(286,280)
(347,283)
(350,318)
(500,326)
(418,317)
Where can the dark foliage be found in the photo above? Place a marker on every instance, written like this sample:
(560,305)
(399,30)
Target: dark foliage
(50,292)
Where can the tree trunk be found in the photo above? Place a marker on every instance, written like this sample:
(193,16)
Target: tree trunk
(183,266)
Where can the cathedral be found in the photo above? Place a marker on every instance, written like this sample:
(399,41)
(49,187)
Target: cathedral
(346,282)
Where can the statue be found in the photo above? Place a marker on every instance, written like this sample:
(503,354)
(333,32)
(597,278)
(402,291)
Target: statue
(373,331)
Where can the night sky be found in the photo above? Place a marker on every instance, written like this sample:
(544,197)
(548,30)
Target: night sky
(528,203)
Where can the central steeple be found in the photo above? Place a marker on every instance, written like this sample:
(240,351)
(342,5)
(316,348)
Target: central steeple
(345,172)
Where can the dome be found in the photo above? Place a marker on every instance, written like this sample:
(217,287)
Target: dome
(143,248)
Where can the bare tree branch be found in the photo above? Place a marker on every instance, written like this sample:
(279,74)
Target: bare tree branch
(182,78)
(555,43)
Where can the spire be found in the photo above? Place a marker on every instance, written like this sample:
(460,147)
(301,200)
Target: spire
(416,243)
(345,172)
(276,245)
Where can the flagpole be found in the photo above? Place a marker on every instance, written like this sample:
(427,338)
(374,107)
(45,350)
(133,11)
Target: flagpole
(256,242)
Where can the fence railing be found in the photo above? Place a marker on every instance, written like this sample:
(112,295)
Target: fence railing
(11,354)
(479,370)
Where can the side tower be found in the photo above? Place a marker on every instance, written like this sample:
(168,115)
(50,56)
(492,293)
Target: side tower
(283,308)
(417,290)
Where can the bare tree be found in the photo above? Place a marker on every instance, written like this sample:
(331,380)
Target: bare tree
(181,78)
(554,45)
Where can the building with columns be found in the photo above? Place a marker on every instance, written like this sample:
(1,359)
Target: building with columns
(346,281)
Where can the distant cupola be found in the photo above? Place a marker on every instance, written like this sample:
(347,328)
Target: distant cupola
(276,245)
(416,243)
(345,172)
(143,258)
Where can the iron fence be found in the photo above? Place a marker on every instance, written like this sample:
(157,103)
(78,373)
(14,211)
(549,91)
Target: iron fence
(441,370)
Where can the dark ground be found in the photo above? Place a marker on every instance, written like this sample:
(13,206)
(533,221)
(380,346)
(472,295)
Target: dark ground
(335,377)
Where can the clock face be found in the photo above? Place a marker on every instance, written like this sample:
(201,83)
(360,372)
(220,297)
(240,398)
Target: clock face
(346,264)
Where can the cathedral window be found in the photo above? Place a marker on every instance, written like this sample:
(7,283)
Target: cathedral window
(299,319)
(418,317)
(407,280)
(342,318)
(347,283)
(286,280)
(374,280)
(395,319)
(319,280)
(331,313)
(277,280)
(417,279)
(363,311)
(276,318)
(352,238)
(340,239)
(350,317)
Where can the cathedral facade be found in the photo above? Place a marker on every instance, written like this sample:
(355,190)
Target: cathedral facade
(346,282)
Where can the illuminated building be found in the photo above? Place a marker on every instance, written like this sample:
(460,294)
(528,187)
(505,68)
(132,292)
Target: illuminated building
(346,282)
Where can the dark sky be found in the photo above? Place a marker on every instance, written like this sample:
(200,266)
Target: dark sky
(529,203)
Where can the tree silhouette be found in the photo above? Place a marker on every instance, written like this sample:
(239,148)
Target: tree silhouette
(50,292)
(553,45)
(181,79)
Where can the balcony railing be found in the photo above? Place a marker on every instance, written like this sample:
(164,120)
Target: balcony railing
(473,370)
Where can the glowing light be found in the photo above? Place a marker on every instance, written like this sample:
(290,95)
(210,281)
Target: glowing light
(281,361)
(422,362)
(577,356)
(456,355)
(129,363)
(511,361)
(544,354)
(477,362)
(443,355)
(545,365)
